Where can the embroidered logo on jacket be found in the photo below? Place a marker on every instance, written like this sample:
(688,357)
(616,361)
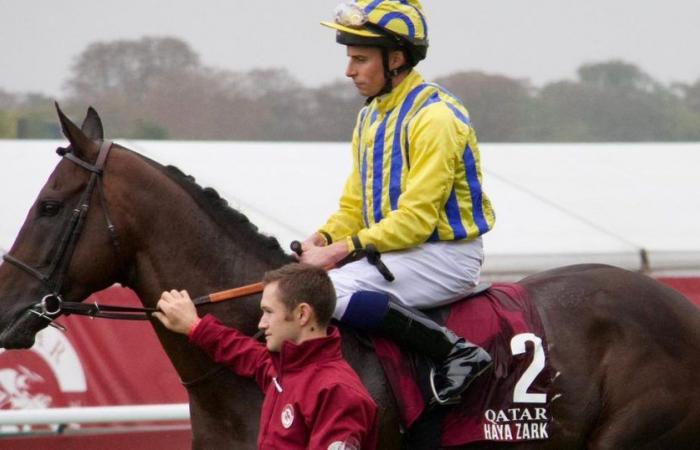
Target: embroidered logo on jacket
(349,444)
(287,415)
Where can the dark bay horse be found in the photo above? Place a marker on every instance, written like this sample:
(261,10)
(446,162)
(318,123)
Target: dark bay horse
(627,349)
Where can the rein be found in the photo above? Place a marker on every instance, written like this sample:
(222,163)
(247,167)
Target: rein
(370,252)
(52,304)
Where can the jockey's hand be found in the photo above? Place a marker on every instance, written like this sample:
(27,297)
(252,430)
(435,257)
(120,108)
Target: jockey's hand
(315,240)
(326,257)
(176,311)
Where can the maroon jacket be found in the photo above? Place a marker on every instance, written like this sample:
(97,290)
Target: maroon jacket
(313,398)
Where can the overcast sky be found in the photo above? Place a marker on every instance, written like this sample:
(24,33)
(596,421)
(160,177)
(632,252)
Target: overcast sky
(540,40)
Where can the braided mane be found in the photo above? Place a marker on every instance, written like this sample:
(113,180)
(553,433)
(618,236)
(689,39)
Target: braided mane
(229,219)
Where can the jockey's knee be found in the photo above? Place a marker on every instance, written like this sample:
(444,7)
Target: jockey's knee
(364,309)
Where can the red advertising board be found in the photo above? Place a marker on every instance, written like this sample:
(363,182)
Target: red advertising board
(688,286)
(97,362)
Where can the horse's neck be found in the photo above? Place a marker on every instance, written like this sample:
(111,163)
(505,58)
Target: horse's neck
(183,243)
(177,245)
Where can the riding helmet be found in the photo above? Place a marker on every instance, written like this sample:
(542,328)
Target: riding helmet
(389,24)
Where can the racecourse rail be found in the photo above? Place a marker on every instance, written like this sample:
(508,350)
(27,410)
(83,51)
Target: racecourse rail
(95,414)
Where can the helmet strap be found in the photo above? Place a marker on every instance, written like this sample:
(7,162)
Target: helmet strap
(389,75)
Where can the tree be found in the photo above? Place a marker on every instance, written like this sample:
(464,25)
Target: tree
(613,101)
(691,96)
(128,66)
(500,107)
(8,122)
(155,88)
(7,100)
(332,110)
(617,76)
(564,110)
(8,125)
(28,115)
(206,104)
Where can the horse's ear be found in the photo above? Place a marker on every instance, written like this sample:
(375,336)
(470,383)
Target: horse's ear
(92,125)
(79,142)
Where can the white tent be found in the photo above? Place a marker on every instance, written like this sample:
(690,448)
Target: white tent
(632,205)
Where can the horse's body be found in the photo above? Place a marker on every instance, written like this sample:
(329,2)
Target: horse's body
(627,348)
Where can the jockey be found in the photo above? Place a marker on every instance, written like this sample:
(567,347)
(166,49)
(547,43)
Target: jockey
(414,193)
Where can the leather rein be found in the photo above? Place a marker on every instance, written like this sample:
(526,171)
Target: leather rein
(53,304)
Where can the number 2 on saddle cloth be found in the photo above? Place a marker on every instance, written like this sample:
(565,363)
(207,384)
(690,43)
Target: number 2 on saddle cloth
(510,403)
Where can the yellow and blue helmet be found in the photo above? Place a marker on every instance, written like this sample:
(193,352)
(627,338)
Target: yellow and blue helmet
(392,24)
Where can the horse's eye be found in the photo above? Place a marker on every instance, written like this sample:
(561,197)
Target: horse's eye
(49,208)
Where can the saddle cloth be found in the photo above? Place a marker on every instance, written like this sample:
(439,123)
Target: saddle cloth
(509,403)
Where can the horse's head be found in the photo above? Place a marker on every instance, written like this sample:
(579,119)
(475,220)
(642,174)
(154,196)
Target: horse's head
(65,249)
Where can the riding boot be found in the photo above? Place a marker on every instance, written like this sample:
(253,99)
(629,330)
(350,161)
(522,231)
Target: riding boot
(458,361)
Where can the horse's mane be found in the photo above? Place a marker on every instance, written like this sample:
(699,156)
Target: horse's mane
(219,210)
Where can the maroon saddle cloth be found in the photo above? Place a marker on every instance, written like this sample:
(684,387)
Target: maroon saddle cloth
(509,403)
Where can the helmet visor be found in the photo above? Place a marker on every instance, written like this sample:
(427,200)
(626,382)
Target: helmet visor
(351,18)
(350,15)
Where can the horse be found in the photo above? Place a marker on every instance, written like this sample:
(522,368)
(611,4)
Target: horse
(626,348)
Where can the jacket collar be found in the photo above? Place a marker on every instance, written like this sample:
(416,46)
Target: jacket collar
(294,357)
(387,102)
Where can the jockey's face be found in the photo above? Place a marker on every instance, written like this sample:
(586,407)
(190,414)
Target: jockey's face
(366,69)
(277,321)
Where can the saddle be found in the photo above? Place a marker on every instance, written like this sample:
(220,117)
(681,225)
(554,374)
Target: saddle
(441,311)
(509,403)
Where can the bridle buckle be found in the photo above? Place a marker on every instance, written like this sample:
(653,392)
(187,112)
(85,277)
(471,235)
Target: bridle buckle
(51,304)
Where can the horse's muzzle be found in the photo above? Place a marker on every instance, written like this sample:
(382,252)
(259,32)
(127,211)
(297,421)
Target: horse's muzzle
(22,330)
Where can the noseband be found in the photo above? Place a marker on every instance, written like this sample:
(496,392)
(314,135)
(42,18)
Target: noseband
(52,304)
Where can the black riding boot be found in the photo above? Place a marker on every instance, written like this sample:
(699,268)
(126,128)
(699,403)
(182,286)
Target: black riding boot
(458,361)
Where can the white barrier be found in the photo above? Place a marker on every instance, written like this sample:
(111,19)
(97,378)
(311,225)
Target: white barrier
(96,414)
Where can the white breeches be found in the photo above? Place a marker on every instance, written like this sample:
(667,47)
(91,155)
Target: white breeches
(427,276)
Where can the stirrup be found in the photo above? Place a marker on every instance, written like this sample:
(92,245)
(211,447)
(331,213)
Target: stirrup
(457,399)
(436,397)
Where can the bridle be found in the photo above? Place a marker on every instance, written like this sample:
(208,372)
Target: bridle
(52,304)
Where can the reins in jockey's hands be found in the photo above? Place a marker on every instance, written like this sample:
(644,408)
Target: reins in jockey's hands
(315,240)
(318,254)
(370,252)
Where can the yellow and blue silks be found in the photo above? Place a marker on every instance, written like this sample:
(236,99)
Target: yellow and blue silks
(416,172)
